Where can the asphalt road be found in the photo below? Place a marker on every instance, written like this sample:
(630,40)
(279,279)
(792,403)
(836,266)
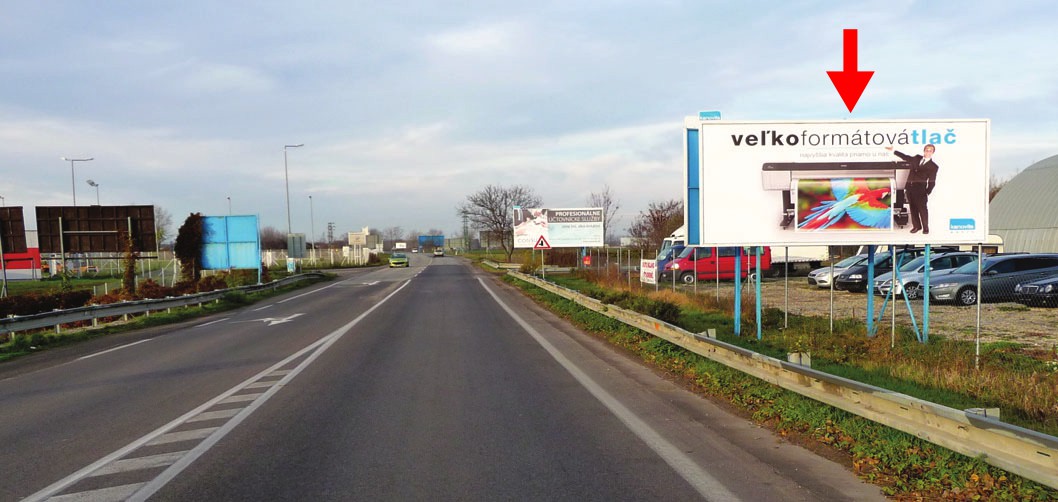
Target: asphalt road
(434,382)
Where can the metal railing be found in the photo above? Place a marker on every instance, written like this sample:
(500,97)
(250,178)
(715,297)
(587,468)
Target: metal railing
(1018,450)
(56,318)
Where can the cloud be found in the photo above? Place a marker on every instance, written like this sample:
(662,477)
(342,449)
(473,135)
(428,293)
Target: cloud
(195,77)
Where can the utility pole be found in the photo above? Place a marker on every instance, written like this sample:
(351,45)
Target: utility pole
(466,232)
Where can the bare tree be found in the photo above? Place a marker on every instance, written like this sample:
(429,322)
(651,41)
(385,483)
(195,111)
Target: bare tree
(273,239)
(659,221)
(163,221)
(491,209)
(434,231)
(609,204)
(994,186)
(392,234)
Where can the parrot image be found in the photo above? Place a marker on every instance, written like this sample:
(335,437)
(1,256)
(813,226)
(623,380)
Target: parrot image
(852,199)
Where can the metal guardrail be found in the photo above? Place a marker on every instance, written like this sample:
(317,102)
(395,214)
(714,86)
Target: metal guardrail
(516,266)
(1018,450)
(92,312)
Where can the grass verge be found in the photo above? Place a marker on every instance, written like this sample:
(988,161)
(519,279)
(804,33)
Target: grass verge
(906,467)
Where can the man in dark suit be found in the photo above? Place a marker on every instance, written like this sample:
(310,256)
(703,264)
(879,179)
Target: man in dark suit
(920,183)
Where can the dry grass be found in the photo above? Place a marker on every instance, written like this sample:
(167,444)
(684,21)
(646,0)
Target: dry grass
(1008,377)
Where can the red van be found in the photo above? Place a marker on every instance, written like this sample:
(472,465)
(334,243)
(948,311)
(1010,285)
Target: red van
(709,258)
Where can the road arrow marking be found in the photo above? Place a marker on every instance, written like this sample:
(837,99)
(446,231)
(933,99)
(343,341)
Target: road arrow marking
(272,321)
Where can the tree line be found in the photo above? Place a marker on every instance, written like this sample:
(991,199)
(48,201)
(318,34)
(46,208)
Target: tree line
(490,210)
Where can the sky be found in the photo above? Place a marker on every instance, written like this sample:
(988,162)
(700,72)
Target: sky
(406,108)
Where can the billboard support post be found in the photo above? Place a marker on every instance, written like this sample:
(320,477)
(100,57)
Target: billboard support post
(925,303)
(870,295)
(62,248)
(758,293)
(738,289)
(3,290)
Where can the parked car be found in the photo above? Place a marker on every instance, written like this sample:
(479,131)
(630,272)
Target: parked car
(821,276)
(855,277)
(667,255)
(398,260)
(999,276)
(1040,293)
(712,261)
(913,273)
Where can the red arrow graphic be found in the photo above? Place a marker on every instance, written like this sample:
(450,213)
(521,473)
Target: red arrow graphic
(850,82)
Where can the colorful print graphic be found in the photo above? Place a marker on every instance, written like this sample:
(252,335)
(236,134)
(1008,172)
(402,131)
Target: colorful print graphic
(844,204)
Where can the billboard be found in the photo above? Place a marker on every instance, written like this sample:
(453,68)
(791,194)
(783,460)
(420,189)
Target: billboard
(437,241)
(230,242)
(95,229)
(559,228)
(842,182)
(12,230)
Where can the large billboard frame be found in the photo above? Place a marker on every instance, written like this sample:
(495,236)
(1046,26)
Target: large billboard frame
(95,229)
(730,201)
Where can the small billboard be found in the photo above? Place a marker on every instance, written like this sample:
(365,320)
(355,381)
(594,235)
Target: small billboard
(230,242)
(648,271)
(559,228)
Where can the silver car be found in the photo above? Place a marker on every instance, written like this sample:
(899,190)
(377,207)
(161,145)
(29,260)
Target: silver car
(999,276)
(913,272)
(821,276)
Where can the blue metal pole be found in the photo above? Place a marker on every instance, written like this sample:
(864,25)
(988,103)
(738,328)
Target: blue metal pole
(738,288)
(870,294)
(925,299)
(758,294)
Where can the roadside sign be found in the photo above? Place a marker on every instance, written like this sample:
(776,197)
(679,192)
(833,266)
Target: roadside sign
(648,271)
(541,243)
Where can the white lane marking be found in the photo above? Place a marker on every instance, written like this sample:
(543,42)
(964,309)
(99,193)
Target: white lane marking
(114,493)
(262,308)
(167,475)
(215,415)
(260,385)
(89,356)
(241,398)
(707,486)
(213,322)
(66,482)
(176,437)
(309,293)
(140,463)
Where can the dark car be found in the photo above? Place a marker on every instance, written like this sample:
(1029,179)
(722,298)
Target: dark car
(999,276)
(1039,293)
(855,277)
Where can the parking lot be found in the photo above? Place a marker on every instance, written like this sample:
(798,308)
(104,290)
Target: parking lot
(1007,321)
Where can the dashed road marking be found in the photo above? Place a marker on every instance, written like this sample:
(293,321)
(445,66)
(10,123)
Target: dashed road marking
(125,460)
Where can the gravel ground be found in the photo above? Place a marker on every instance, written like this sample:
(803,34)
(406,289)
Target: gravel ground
(999,321)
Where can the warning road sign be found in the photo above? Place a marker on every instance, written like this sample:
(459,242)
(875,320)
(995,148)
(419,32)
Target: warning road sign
(541,243)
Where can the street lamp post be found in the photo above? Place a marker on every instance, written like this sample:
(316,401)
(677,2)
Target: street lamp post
(96,185)
(3,201)
(73,185)
(312,226)
(286,176)
(229,206)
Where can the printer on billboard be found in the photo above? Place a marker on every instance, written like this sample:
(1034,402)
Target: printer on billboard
(784,177)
